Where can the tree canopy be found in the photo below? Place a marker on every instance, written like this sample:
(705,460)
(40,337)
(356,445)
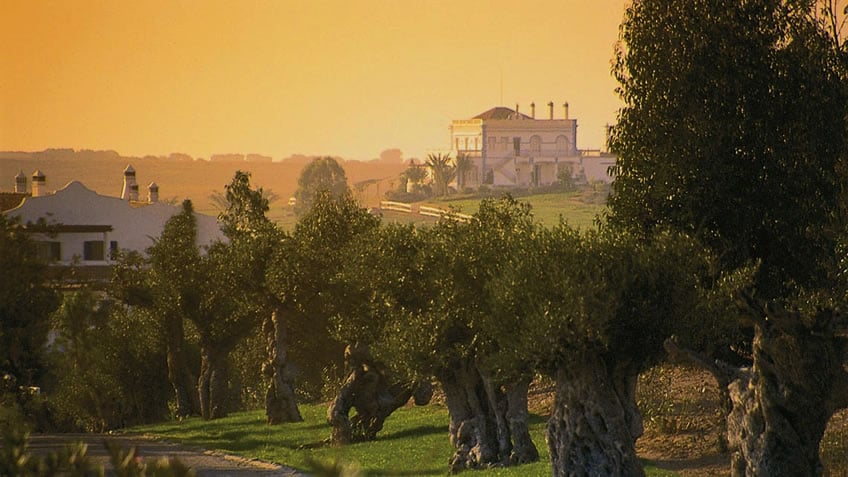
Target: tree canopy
(323,174)
(733,130)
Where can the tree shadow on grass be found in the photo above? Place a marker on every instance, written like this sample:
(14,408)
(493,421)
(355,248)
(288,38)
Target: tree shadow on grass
(416,472)
(319,425)
(414,432)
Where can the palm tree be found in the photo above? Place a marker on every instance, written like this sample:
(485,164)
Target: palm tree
(442,170)
(463,167)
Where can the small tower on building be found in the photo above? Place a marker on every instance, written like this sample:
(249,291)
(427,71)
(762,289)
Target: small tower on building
(39,184)
(129,182)
(20,183)
(153,193)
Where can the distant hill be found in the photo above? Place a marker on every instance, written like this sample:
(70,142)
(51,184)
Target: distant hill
(180,176)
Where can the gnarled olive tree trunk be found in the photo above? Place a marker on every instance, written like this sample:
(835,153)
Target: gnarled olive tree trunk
(280,400)
(595,422)
(488,421)
(782,404)
(372,394)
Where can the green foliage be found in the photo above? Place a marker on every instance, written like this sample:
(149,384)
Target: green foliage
(565,181)
(244,209)
(26,301)
(246,380)
(103,366)
(733,130)
(511,295)
(322,175)
(303,276)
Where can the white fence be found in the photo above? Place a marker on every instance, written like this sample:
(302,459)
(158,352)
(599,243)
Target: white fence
(423,210)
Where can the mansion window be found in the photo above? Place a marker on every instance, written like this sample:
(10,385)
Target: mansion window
(535,145)
(93,250)
(492,143)
(562,145)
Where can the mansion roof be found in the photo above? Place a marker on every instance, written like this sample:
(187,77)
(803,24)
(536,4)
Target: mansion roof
(501,112)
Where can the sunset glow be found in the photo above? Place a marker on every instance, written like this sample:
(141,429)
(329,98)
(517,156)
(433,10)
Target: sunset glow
(340,77)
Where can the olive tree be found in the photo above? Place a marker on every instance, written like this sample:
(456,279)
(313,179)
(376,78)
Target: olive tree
(604,304)
(734,130)
(303,278)
(426,302)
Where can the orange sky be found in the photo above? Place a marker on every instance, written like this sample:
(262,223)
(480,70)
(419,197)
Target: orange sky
(341,77)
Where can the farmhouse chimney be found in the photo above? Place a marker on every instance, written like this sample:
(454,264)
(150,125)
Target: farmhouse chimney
(533,110)
(20,183)
(551,109)
(153,193)
(39,184)
(129,182)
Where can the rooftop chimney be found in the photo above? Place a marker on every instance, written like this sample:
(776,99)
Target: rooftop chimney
(565,109)
(20,183)
(39,184)
(153,193)
(517,114)
(533,110)
(134,193)
(551,108)
(129,181)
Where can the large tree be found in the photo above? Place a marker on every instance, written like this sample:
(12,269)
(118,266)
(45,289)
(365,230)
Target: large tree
(253,238)
(302,276)
(601,306)
(424,301)
(734,130)
(322,175)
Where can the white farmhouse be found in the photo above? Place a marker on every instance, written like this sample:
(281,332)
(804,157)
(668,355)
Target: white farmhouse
(78,226)
(509,148)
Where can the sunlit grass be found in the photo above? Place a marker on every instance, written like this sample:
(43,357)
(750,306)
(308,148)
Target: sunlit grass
(414,442)
(578,209)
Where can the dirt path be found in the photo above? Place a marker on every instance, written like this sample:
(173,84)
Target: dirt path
(204,463)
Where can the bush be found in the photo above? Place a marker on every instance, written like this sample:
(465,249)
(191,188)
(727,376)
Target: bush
(246,381)
(108,367)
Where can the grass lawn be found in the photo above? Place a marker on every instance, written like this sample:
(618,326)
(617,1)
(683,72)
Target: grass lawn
(578,209)
(414,442)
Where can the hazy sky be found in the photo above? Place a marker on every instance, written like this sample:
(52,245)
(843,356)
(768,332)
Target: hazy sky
(341,77)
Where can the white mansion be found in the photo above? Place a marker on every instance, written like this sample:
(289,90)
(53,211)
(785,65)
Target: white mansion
(77,226)
(509,148)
